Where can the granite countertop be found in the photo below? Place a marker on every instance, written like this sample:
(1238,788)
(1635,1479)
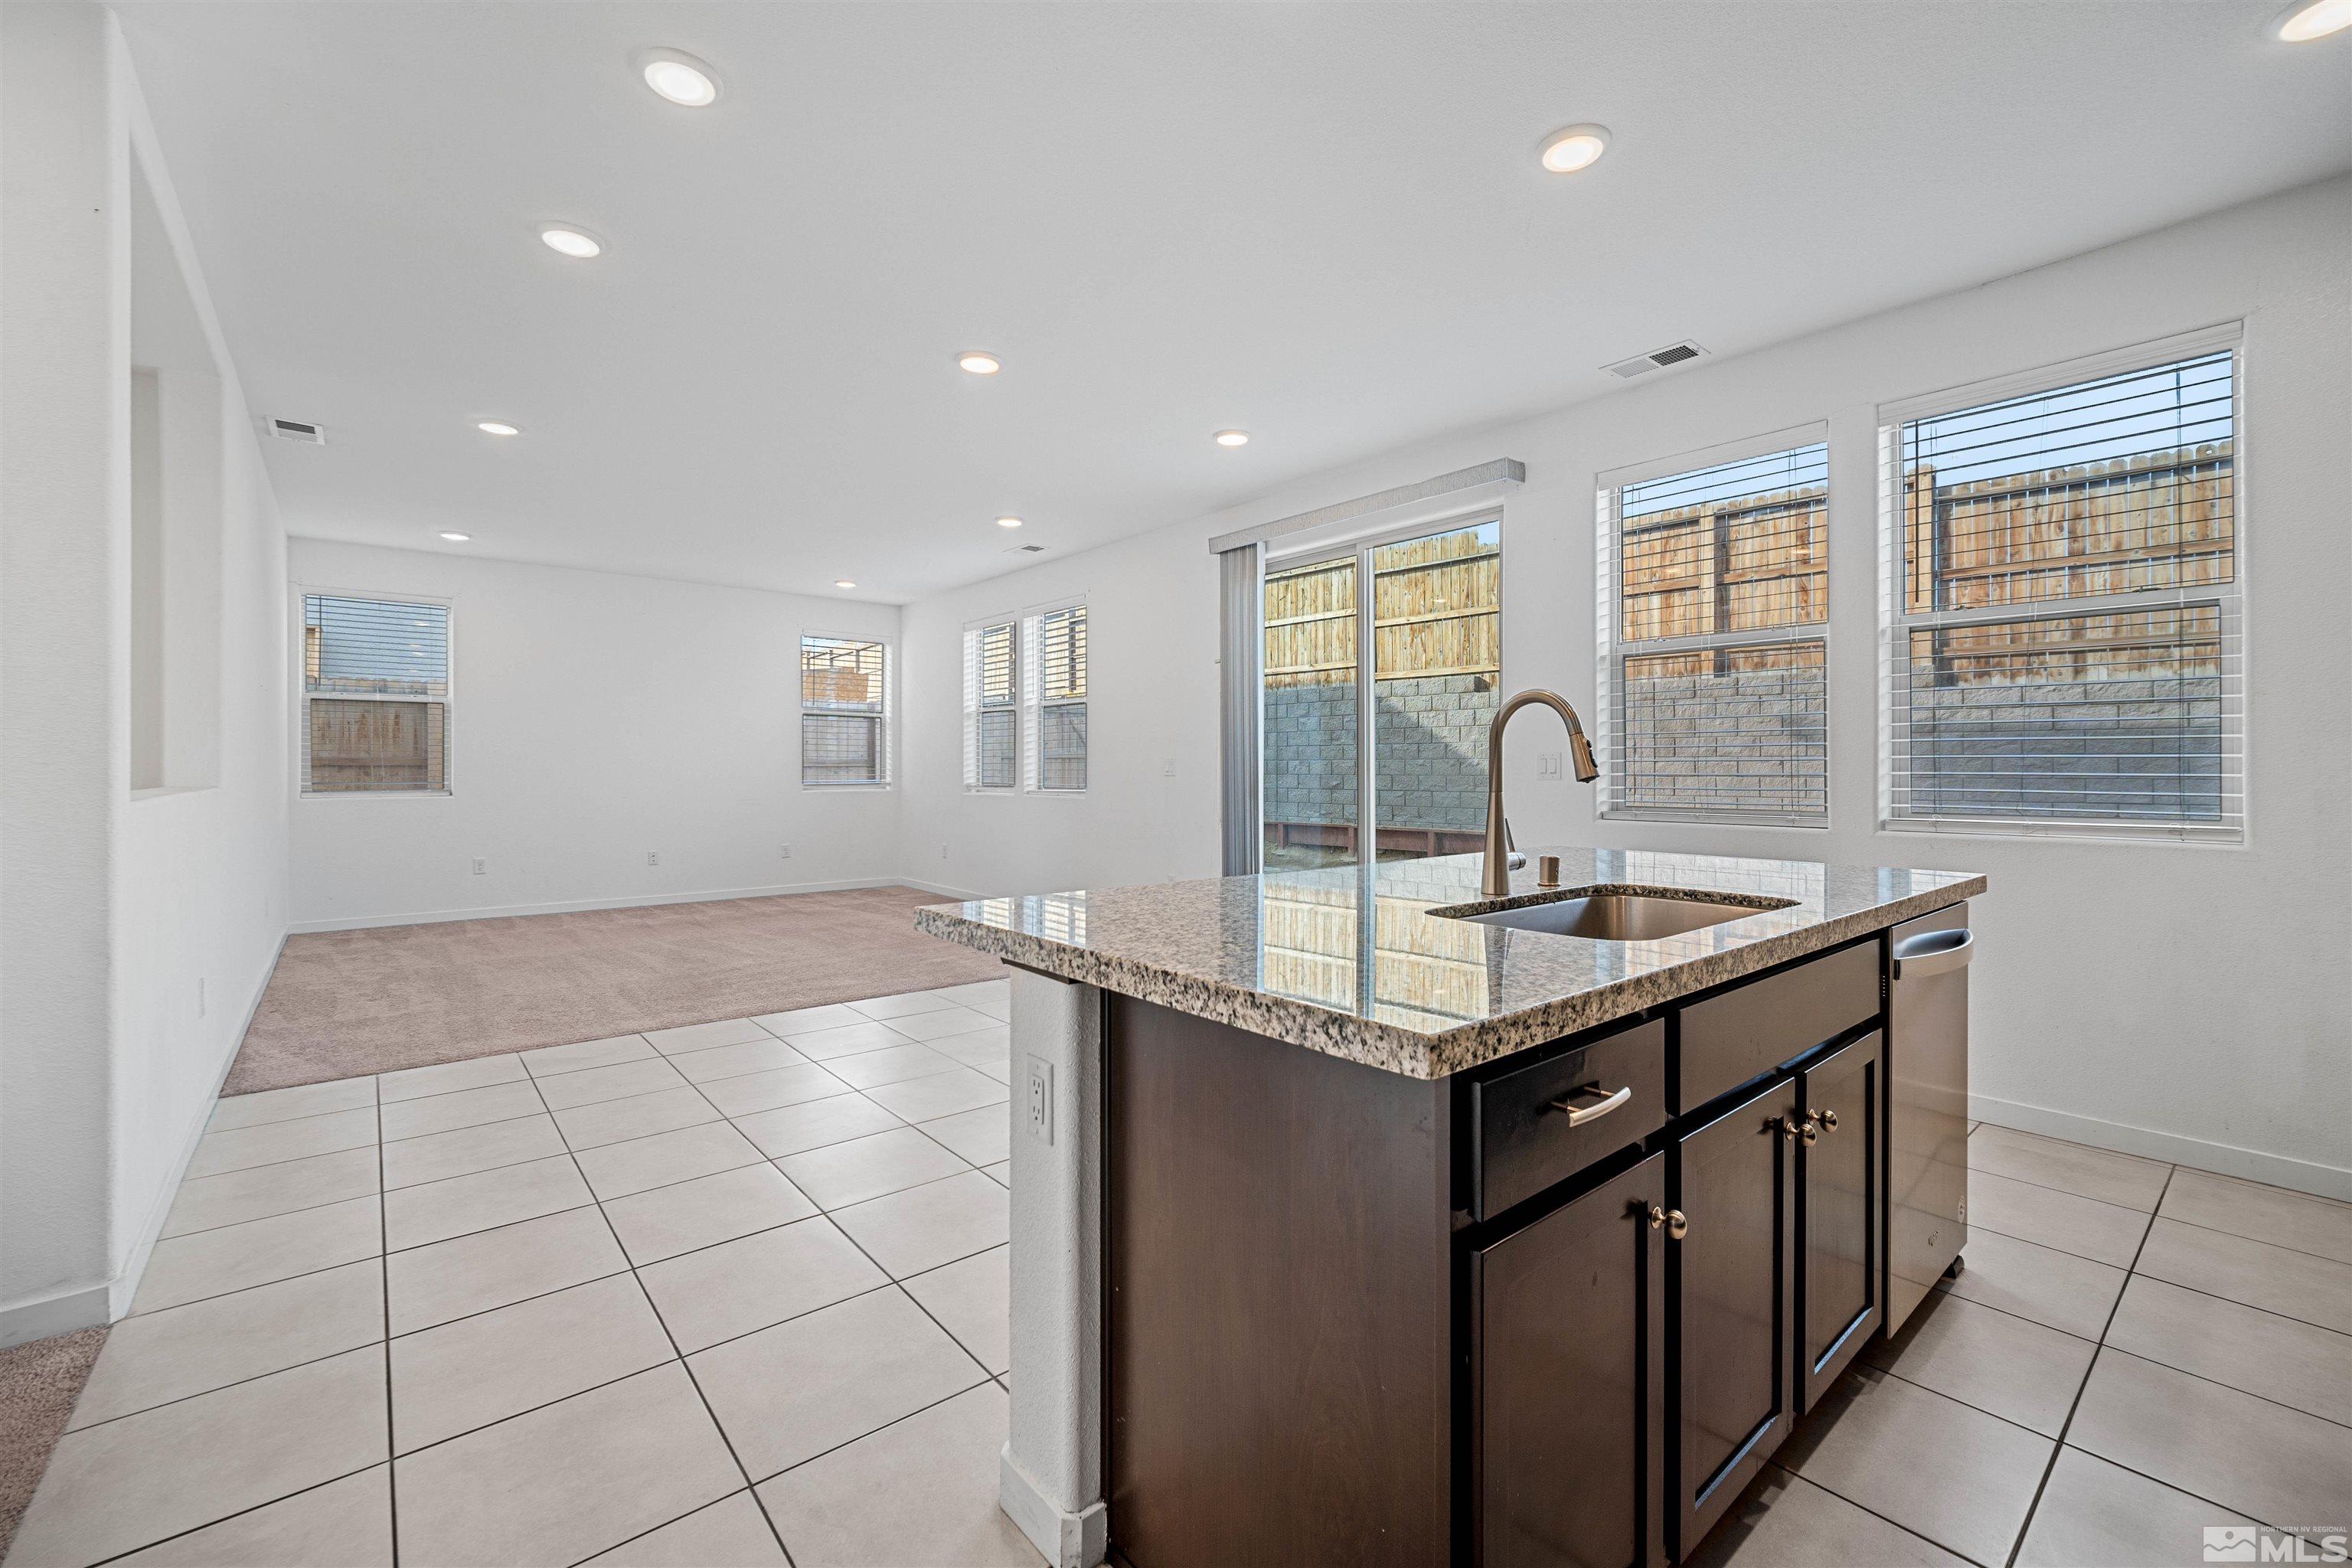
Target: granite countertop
(1351,961)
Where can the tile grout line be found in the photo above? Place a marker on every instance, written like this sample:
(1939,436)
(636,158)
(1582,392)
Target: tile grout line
(752,1493)
(2217,1383)
(306,1208)
(2248,1306)
(1774,1464)
(692,1382)
(2258,1241)
(240,1513)
(384,1273)
(2050,1467)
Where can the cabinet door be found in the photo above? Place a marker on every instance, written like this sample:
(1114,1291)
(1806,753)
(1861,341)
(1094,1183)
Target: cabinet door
(1567,1373)
(1837,1225)
(1729,1284)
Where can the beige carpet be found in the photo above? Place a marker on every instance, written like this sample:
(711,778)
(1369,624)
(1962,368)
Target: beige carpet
(343,1003)
(38,1384)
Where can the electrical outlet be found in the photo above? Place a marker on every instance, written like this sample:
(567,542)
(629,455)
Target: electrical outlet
(481,866)
(1548,765)
(200,996)
(784,852)
(943,851)
(1039,1099)
(1168,768)
(653,857)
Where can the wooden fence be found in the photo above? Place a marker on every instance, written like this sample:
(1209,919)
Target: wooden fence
(1436,610)
(1740,564)
(364,745)
(2157,519)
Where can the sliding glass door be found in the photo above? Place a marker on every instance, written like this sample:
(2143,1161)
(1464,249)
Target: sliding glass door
(1381,662)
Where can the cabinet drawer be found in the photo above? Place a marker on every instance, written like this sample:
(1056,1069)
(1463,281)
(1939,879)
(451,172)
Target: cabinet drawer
(1523,1141)
(1730,1039)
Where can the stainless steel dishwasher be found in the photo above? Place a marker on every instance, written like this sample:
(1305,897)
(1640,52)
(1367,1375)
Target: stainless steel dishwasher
(1928,1049)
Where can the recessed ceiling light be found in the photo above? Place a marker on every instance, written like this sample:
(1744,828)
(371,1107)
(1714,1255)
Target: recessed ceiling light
(565,240)
(497,428)
(2309,19)
(842,583)
(456,538)
(1233,437)
(1577,147)
(679,77)
(1008,522)
(979,362)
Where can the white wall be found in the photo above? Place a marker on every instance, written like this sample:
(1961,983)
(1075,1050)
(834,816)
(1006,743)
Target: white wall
(136,927)
(2194,1003)
(594,719)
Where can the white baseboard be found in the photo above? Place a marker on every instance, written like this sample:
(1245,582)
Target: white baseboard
(95,1304)
(941,889)
(1066,1539)
(2221,1159)
(125,1284)
(573,906)
(61,1314)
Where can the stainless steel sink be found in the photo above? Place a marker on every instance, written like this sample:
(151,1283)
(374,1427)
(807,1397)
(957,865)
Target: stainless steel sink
(1617,917)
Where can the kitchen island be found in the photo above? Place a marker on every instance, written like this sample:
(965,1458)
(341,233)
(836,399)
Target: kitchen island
(1351,1226)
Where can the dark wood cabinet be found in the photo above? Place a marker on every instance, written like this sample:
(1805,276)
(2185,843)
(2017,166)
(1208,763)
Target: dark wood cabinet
(1839,1165)
(1568,1383)
(1729,1284)
(1459,1336)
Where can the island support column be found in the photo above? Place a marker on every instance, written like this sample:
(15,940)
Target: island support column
(1050,1475)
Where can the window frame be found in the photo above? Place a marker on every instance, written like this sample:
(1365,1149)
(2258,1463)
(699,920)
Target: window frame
(1898,621)
(886,721)
(1029,768)
(975,704)
(1607,726)
(298,752)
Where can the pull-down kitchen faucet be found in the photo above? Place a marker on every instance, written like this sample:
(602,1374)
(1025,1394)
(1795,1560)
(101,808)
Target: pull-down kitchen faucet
(1495,877)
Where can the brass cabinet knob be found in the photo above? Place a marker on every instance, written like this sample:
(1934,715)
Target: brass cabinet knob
(1829,1120)
(1675,1225)
(1810,1131)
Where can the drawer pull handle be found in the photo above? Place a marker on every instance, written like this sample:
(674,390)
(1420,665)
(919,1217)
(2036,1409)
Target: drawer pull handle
(1677,1225)
(1578,1116)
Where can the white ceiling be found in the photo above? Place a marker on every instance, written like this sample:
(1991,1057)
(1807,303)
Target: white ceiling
(1324,224)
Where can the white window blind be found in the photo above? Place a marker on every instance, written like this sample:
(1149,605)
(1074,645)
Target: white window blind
(1713,641)
(375,696)
(845,711)
(2061,606)
(1059,639)
(992,706)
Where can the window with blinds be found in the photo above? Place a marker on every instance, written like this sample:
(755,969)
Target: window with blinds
(1714,638)
(992,706)
(845,711)
(1060,703)
(2061,604)
(375,696)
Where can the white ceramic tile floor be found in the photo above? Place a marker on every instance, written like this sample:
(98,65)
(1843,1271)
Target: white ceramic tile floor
(614,1315)
(741,1328)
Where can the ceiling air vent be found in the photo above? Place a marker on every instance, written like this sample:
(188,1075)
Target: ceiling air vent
(1641,365)
(294,430)
(1026,550)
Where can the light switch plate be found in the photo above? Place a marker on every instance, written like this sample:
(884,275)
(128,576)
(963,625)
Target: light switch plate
(1039,1100)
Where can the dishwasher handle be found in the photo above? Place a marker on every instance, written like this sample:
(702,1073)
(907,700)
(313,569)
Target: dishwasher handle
(1935,953)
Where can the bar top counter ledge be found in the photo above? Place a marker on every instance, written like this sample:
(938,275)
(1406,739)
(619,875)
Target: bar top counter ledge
(1287,1151)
